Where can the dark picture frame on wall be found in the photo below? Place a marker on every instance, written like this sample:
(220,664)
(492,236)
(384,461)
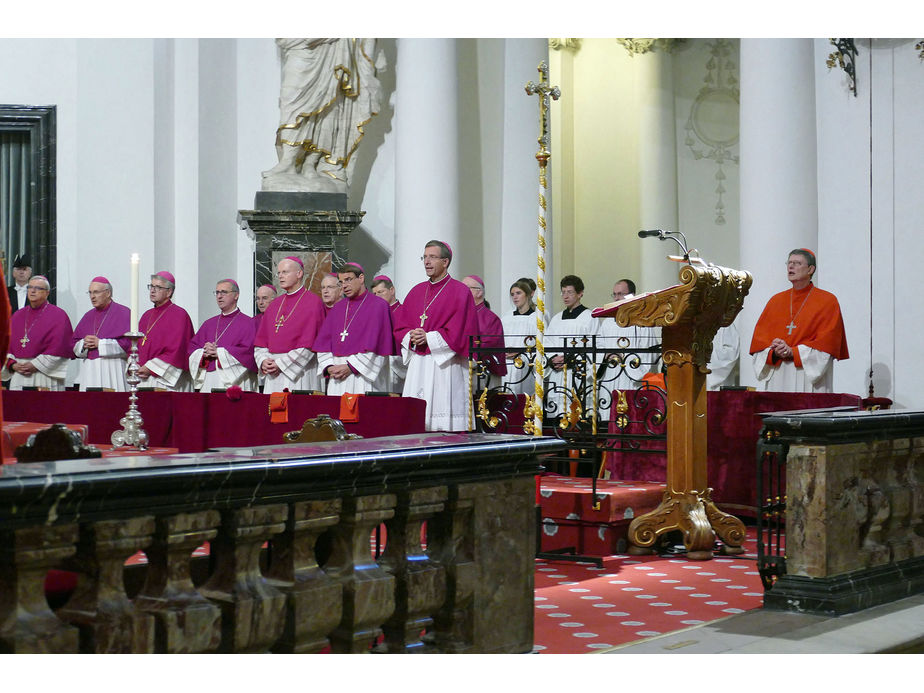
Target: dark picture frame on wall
(37,125)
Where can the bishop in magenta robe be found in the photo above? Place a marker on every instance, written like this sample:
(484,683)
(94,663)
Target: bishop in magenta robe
(356,339)
(283,348)
(40,342)
(98,340)
(433,329)
(221,352)
(167,329)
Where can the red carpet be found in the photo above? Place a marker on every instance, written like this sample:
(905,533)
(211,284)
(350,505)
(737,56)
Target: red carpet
(581,608)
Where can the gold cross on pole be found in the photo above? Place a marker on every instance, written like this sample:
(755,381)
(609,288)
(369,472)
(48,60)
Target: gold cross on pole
(534,408)
(544,91)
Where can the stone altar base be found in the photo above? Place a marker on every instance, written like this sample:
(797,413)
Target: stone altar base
(854,510)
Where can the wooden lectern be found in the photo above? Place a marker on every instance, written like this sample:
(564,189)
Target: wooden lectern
(689,315)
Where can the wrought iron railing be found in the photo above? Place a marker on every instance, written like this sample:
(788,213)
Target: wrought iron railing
(771,506)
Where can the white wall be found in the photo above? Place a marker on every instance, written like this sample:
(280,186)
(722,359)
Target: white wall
(850,192)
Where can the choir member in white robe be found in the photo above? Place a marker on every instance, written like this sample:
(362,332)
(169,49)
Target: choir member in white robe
(726,348)
(565,330)
(356,339)
(221,352)
(167,329)
(98,340)
(40,342)
(283,348)
(520,329)
(433,330)
(383,287)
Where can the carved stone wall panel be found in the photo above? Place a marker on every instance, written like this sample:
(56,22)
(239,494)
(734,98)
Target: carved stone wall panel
(852,506)
(504,544)
(451,539)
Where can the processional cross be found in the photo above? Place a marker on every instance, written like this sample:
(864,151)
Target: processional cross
(533,411)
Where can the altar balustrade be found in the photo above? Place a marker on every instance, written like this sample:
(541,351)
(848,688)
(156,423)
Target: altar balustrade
(284,537)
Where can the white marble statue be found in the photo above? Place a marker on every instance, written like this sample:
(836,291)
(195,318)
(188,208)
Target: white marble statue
(329,92)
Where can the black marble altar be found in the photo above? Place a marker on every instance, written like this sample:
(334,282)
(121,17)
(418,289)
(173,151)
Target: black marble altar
(471,589)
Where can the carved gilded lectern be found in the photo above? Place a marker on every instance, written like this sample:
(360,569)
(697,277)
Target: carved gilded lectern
(689,315)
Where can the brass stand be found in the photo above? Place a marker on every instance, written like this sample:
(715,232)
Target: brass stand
(689,316)
(132,433)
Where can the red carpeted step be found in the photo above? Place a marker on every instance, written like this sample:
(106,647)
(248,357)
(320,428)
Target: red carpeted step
(582,608)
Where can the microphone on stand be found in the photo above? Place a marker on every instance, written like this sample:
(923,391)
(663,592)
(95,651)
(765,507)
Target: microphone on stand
(651,232)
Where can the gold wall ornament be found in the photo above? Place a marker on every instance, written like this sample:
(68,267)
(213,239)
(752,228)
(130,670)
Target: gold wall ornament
(919,47)
(844,57)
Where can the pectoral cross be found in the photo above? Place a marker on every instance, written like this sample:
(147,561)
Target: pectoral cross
(343,335)
(279,322)
(423,316)
(790,327)
(25,340)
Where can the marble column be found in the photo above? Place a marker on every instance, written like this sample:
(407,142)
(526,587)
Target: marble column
(778,176)
(657,168)
(517,243)
(426,155)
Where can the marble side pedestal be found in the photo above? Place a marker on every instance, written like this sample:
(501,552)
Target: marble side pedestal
(854,510)
(312,226)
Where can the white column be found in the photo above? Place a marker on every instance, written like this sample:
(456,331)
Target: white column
(778,175)
(657,169)
(426,155)
(518,245)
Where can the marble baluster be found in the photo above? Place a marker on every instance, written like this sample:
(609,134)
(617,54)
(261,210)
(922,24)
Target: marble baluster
(106,618)
(314,601)
(452,544)
(252,610)
(368,589)
(420,587)
(27,624)
(185,621)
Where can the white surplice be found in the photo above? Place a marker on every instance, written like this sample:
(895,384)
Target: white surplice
(297,370)
(230,372)
(518,330)
(441,379)
(108,371)
(51,373)
(726,348)
(166,377)
(816,374)
(369,373)
(584,325)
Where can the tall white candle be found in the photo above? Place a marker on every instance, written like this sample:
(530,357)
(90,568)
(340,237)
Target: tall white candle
(134,303)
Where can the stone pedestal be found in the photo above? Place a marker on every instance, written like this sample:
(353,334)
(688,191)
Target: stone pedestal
(312,226)
(854,501)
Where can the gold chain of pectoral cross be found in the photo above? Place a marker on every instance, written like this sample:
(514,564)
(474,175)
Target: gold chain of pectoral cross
(424,316)
(792,318)
(281,319)
(150,327)
(25,337)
